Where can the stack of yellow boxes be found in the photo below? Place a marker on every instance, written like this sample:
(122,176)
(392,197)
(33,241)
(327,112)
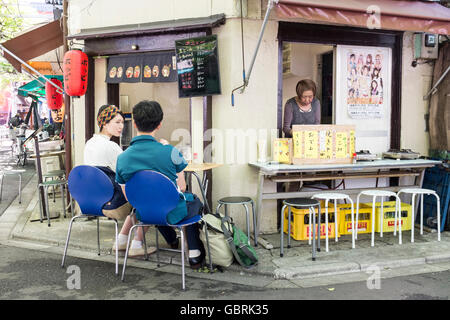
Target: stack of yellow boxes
(300,229)
(300,223)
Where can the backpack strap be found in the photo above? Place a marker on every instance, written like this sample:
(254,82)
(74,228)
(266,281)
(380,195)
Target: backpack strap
(229,237)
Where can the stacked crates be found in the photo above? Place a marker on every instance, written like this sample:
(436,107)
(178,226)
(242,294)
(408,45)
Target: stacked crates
(345,219)
(389,215)
(300,220)
(300,223)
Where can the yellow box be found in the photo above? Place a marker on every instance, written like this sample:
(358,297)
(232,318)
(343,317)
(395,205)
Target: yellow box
(300,223)
(282,150)
(389,215)
(345,219)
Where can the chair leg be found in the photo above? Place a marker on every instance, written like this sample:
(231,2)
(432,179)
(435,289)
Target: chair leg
(145,244)
(357,216)
(313,258)
(182,258)
(130,233)
(117,245)
(98,236)
(67,240)
(399,220)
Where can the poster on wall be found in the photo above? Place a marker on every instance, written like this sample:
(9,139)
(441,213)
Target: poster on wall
(364,80)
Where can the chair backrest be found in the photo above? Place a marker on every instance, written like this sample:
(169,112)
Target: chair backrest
(153,195)
(91,188)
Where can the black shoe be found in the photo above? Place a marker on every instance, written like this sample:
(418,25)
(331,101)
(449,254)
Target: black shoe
(197,262)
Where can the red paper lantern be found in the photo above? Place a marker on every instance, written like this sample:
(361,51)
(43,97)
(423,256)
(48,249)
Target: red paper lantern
(75,70)
(54,98)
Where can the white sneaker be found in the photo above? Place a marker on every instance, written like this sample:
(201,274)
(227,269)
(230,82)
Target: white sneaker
(122,247)
(137,252)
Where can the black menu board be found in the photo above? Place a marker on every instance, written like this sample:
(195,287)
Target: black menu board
(197,66)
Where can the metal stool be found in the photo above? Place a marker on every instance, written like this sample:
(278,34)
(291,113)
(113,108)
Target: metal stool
(335,196)
(46,185)
(417,191)
(54,174)
(381,193)
(244,201)
(300,203)
(10,173)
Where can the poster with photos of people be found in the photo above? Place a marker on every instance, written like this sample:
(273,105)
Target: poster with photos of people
(365,81)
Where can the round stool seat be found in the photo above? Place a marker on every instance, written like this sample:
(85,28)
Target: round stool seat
(330,196)
(234,200)
(417,191)
(301,202)
(54,173)
(53,183)
(378,193)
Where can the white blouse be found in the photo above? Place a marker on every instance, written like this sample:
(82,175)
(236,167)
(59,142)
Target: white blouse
(100,151)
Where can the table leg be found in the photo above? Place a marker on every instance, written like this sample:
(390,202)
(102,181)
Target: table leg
(259,202)
(202,191)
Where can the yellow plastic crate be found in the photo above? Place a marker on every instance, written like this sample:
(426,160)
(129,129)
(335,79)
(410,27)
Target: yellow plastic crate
(389,215)
(345,219)
(300,223)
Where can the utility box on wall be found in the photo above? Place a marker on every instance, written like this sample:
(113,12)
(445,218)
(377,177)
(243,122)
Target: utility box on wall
(425,46)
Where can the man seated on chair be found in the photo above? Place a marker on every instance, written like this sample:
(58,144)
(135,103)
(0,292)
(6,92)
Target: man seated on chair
(146,153)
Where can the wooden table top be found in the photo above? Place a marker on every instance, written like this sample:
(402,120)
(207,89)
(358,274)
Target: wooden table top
(201,166)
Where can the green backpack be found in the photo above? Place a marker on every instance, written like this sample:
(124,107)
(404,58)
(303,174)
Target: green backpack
(239,244)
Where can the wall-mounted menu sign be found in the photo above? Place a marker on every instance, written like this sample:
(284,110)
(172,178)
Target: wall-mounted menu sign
(142,67)
(197,66)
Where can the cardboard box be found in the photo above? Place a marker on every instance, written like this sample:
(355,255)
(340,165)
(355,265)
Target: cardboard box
(323,144)
(282,150)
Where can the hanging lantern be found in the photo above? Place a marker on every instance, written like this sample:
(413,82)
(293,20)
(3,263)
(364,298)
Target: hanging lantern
(54,98)
(75,70)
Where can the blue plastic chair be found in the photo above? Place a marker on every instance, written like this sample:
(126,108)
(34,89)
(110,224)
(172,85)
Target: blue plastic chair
(153,196)
(91,188)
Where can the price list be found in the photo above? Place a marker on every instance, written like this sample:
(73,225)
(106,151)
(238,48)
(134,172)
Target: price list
(197,66)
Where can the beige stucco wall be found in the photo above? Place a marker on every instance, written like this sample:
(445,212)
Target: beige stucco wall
(254,116)
(416,82)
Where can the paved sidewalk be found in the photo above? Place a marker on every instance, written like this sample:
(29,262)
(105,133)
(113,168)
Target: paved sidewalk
(296,269)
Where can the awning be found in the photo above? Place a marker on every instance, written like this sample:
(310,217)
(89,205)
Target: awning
(34,43)
(381,14)
(151,28)
(37,87)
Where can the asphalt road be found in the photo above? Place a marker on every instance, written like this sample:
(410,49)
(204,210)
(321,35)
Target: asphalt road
(36,275)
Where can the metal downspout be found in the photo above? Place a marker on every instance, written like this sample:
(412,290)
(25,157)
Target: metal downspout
(263,27)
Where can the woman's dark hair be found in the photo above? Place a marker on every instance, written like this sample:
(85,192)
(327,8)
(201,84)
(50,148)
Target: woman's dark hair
(305,85)
(147,115)
(103,107)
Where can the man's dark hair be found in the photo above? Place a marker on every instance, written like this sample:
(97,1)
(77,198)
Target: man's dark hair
(147,115)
